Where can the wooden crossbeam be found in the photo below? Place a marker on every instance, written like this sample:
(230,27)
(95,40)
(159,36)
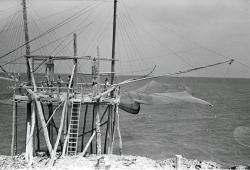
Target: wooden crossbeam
(40,57)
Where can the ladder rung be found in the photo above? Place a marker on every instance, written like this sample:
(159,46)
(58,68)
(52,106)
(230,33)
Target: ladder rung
(74,123)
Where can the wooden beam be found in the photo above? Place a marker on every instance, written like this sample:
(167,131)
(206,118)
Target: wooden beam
(40,57)
(90,141)
(98,130)
(42,119)
(59,134)
(118,129)
(84,126)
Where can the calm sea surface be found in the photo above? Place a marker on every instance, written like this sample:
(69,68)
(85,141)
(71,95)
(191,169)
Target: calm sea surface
(162,131)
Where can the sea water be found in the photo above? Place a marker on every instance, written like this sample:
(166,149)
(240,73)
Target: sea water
(162,131)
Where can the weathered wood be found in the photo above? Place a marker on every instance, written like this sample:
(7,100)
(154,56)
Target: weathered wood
(106,135)
(118,129)
(86,147)
(178,162)
(37,132)
(51,125)
(41,57)
(42,119)
(59,134)
(72,74)
(98,130)
(28,125)
(75,61)
(110,129)
(31,137)
(84,126)
(113,44)
(92,129)
(113,129)
(66,119)
(14,128)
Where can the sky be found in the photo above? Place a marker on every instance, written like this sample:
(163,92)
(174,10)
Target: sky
(173,35)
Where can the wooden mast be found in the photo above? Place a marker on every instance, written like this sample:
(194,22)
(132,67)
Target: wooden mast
(75,62)
(111,110)
(113,44)
(28,121)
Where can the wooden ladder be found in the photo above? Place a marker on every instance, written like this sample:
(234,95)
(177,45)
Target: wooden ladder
(73,127)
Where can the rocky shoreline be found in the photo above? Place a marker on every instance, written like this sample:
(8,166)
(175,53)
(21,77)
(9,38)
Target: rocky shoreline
(110,162)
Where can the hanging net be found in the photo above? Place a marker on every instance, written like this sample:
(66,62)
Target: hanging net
(155,93)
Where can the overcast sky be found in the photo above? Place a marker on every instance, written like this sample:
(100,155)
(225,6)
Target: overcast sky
(173,35)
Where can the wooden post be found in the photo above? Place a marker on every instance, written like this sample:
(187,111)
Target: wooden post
(14,128)
(59,134)
(118,130)
(113,129)
(84,125)
(75,62)
(92,129)
(98,130)
(50,107)
(28,127)
(113,45)
(178,162)
(28,74)
(106,135)
(90,140)
(66,119)
(110,129)
(42,119)
(37,132)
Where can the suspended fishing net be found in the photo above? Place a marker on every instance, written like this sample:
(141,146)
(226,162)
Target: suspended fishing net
(158,93)
(242,135)
(155,93)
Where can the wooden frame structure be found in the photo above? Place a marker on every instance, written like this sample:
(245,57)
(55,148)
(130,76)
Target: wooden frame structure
(75,96)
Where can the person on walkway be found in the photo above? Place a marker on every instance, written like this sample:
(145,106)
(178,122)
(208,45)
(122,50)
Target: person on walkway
(106,84)
(59,82)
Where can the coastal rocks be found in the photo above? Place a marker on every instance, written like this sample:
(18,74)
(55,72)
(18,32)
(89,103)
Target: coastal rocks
(112,162)
(188,164)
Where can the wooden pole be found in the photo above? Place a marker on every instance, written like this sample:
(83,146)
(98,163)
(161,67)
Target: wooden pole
(28,74)
(75,61)
(110,129)
(42,119)
(13,144)
(178,162)
(113,45)
(66,119)
(37,132)
(92,129)
(90,140)
(84,125)
(113,129)
(106,135)
(98,130)
(59,134)
(50,107)
(118,130)
(14,126)
(28,122)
